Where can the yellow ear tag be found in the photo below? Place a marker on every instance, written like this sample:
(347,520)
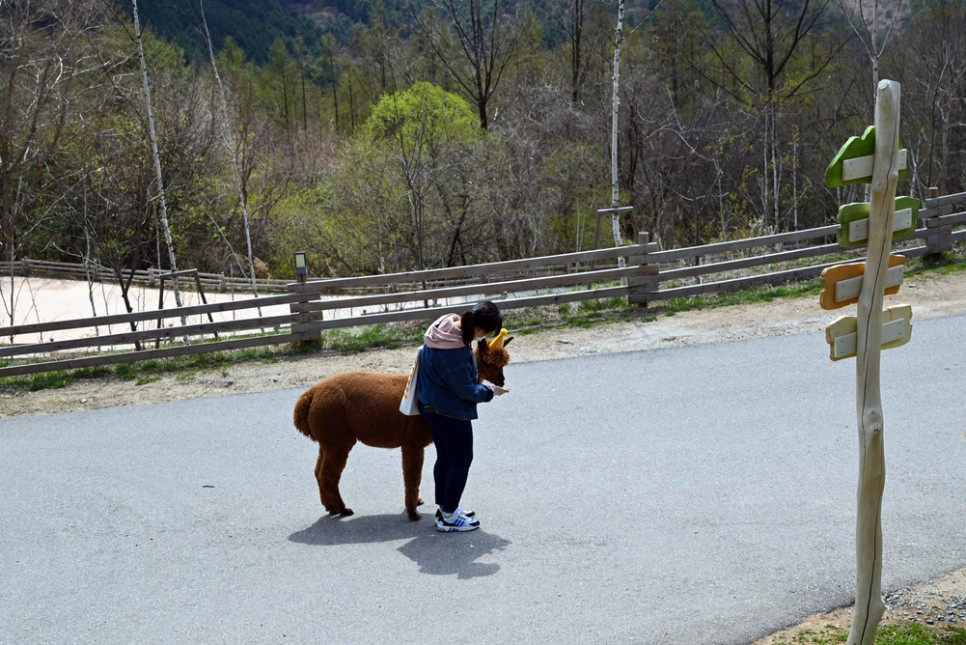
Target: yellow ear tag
(497,343)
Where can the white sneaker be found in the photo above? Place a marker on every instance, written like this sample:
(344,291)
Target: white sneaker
(458,521)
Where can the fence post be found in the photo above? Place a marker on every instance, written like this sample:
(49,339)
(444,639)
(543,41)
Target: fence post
(644,283)
(939,237)
(303,314)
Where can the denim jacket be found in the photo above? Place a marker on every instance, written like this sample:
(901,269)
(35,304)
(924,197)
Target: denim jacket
(447,382)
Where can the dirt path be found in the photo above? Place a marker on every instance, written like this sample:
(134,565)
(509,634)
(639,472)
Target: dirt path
(942,600)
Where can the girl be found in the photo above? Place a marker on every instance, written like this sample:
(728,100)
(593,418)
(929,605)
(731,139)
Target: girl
(447,393)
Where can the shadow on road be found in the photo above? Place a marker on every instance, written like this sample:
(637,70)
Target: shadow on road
(435,553)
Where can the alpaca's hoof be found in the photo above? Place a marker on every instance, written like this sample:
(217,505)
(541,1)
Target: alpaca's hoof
(346,512)
(413,515)
(420,502)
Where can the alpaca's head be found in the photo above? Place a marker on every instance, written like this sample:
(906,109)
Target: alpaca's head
(490,361)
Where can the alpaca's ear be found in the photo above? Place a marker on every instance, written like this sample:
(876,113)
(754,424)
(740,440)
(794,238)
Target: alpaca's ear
(507,340)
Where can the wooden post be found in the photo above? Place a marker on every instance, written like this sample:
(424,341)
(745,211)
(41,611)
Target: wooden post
(307,336)
(869,605)
(641,286)
(939,236)
(201,292)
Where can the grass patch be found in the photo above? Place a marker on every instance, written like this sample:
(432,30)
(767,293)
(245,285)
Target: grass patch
(143,372)
(587,313)
(909,633)
(360,339)
(745,297)
(947,264)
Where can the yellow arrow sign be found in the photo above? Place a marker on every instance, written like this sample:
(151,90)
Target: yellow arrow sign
(842,336)
(842,283)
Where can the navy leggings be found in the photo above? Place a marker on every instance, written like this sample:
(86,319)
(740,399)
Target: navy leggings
(454,454)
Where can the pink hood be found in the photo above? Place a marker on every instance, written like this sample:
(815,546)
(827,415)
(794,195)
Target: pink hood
(444,334)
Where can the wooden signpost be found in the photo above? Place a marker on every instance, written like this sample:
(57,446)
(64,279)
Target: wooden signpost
(875,157)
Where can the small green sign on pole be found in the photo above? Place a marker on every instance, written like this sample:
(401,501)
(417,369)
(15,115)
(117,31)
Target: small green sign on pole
(854,221)
(854,161)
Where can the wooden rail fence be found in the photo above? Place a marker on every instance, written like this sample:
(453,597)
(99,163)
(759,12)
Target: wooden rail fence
(649,275)
(210,282)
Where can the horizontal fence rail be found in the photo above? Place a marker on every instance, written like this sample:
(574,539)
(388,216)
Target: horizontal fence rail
(641,272)
(212,282)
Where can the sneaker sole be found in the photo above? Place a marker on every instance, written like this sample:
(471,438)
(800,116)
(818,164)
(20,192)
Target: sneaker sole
(446,528)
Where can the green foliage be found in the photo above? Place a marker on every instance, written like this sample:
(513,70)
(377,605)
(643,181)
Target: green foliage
(365,213)
(424,112)
(160,55)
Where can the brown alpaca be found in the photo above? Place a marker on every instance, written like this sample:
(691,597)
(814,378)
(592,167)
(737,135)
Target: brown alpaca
(361,406)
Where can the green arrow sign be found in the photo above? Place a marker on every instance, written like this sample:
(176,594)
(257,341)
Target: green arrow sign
(853,163)
(854,221)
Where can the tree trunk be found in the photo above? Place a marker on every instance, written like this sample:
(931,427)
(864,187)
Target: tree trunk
(152,134)
(230,143)
(614,175)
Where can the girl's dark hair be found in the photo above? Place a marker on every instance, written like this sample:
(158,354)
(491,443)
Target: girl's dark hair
(484,315)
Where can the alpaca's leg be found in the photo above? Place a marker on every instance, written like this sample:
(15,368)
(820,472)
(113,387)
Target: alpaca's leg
(412,460)
(328,472)
(318,478)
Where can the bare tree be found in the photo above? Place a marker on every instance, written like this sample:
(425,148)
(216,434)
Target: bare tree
(152,135)
(485,43)
(570,19)
(44,48)
(874,22)
(578,69)
(232,152)
(771,35)
(935,82)
(615,198)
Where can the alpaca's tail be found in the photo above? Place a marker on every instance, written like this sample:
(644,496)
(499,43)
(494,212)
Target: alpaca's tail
(301,416)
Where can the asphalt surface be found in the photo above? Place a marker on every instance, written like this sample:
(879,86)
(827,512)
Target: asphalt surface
(702,495)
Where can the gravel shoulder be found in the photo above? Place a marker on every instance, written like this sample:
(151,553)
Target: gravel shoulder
(937,601)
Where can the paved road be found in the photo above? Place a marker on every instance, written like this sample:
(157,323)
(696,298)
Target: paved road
(696,495)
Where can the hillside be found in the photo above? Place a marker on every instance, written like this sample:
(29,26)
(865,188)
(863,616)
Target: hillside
(253,24)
